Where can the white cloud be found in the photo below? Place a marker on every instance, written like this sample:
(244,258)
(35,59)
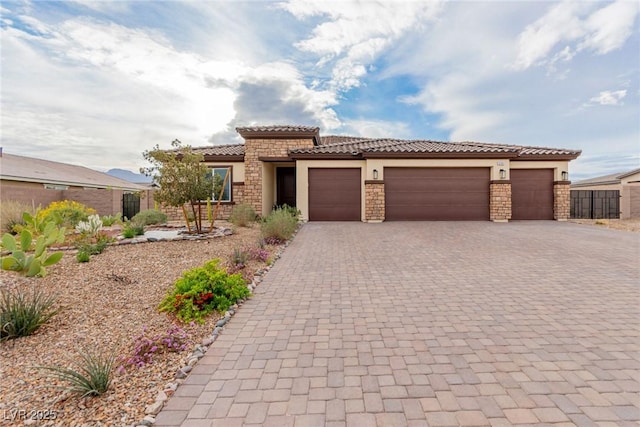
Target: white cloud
(355,33)
(608,28)
(117,6)
(608,97)
(115,85)
(377,128)
(576,23)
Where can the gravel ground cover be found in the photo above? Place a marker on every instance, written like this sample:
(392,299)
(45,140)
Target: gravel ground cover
(104,304)
(632,224)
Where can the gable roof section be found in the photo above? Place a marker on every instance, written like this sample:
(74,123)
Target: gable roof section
(349,147)
(29,169)
(613,178)
(280,132)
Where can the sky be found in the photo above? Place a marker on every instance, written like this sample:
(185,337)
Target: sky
(96,83)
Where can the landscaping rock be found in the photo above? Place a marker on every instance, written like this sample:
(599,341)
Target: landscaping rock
(149,419)
(216,331)
(154,408)
(182,372)
(220,323)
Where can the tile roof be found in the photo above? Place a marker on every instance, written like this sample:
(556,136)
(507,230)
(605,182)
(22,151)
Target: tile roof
(341,145)
(398,146)
(221,150)
(29,169)
(335,139)
(277,129)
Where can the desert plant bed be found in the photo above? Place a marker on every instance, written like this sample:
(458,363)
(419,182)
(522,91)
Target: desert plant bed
(103,306)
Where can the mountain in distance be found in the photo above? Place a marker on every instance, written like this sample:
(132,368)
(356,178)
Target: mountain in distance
(137,178)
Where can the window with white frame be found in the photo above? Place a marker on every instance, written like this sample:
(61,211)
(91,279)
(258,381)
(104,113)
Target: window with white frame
(218,181)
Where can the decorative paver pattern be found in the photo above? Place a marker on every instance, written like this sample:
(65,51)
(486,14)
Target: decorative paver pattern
(434,323)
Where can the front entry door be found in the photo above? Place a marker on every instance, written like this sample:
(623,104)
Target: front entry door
(286,186)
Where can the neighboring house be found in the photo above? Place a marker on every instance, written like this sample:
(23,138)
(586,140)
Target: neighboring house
(338,178)
(39,182)
(600,193)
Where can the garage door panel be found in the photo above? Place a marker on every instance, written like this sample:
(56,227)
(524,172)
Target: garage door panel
(531,194)
(443,198)
(432,194)
(334,194)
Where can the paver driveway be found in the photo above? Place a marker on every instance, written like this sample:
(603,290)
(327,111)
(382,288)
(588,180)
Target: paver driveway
(434,323)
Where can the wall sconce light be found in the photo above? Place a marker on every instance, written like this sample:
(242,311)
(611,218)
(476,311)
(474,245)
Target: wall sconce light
(375,174)
(565,175)
(503,174)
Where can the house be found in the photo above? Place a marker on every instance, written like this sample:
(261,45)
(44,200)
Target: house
(339,178)
(38,182)
(608,196)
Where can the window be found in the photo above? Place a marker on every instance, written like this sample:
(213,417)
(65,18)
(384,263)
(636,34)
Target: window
(55,187)
(218,180)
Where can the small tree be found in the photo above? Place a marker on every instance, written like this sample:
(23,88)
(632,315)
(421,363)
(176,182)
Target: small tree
(182,177)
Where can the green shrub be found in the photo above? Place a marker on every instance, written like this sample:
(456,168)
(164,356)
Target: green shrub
(132,229)
(242,215)
(291,210)
(239,257)
(202,290)
(67,212)
(279,225)
(32,264)
(83,256)
(109,220)
(149,217)
(21,315)
(11,214)
(92,378)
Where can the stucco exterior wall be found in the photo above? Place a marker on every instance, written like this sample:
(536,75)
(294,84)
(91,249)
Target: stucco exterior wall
(630,202)
(609,187)
(631,179)
(494,164)
(557,166)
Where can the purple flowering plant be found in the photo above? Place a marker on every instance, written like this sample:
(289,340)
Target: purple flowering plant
(146,347)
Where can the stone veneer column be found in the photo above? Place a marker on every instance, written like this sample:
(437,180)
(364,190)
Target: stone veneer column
(374,201)
(561,200)
(253,174)
(500,201)
(254,149)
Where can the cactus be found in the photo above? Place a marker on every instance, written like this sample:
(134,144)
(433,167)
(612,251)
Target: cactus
(32,264)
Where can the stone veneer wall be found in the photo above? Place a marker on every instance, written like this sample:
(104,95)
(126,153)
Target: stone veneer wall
(237,190)
(374,201)
(500,201)
(561,200)
(253,150)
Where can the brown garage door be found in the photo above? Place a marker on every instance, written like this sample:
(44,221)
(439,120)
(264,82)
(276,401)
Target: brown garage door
(531,193)
(334,194)
(436,194)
